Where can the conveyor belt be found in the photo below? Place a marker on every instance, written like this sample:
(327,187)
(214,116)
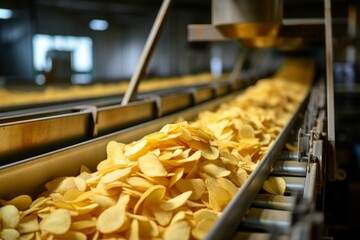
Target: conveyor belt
(269,216)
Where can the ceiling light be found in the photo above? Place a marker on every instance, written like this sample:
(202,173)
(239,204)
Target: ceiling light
(98,25)
(5,13)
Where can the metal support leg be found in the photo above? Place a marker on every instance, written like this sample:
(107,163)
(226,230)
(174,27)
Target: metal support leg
(150,45)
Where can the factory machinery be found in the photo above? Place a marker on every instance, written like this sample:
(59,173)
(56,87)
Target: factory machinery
(40,145)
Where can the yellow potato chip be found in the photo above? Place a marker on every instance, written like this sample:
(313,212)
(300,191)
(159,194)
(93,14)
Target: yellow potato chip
(61,185)
(73,235)
(137,150)
(150,165)
(227,185)
(218,196)
(185,133)
(21,202)
(75,195)
(215,169)
(175,202)
(58,222)
(205,213)
(195,185)
(9,234)
(28,224)
(139,183)
(178,217)
(178,174)
(246,131)
(148,229)
(210,152)
(80,225)
(134,230)
(115,175)
(202,228)
(275,185)
(163,217)
(111,220)
(115,153)
(290,147)
(178,230)
(153,196)
(103,201)
(80,183)
(85,169)
(10,216)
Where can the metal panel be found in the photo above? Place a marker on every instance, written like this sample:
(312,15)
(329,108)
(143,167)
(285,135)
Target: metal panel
(31,135)
(174,102)
(117,117)
(222,88)
(203,94)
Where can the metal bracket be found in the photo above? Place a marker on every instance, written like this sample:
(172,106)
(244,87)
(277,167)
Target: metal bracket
(306,143)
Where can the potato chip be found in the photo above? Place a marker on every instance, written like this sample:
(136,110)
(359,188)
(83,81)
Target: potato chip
(73,235)
(103,201)
(75,195)
(218,196)
(137,150)
(246,131)
(10,216)
(227,185)
(214,169)
(148,229)
(9,234)
(185,133)
(115,153)
(115,175)
(134,230)
(80,183)
(21,202)
(163,217)
(61,185)
(202,228)
(80,225)
(150,165)
(175,202)
(176,231)
(275,185)
(210,152)
(28,224)
(111,220)
(153,195)
(290,147)
(58,222)
(178,174)
(27,236)
(181,215)
(196,186)
(85,169)
(139,183)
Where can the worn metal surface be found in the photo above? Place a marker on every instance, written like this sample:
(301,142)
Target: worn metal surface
(117,117)
(30,135)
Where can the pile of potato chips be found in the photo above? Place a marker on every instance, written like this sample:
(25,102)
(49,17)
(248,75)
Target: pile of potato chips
(171,184)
